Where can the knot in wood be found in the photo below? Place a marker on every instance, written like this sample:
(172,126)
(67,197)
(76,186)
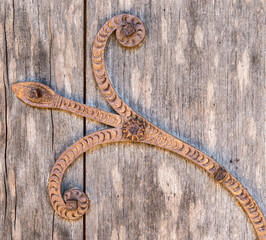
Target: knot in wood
(134,129)
(220,174)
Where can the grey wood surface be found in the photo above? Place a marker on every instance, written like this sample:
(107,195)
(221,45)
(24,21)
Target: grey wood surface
(199,74)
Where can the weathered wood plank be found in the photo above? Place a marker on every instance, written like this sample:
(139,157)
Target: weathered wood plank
(3,127)
(198,75)
(43,42)
(67,47)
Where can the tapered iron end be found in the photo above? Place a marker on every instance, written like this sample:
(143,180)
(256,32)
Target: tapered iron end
(35,94)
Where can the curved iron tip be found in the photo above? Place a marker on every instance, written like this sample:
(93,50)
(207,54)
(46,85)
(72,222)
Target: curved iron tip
(35,94)
(15,88)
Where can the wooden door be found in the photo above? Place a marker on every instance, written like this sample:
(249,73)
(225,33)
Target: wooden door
(199,75)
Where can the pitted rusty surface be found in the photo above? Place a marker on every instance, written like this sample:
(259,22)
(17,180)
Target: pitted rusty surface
(134,129)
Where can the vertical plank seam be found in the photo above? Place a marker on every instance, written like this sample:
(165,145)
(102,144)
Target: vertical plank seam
(5,148)
(52,117)
(5,92)
(13,3)
(52,123)
(53,225)
(84,101)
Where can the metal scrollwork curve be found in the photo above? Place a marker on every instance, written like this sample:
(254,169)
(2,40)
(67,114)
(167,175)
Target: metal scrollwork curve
(127,125)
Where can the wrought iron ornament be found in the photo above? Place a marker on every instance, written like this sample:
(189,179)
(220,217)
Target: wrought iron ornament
(127,126)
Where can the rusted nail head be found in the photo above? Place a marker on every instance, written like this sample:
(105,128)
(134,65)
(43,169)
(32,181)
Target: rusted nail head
(34,93)
(128,30)
(220,174)
(72,205)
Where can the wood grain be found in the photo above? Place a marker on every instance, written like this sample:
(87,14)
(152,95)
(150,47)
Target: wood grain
(40,41)
(199,75)
(188,78)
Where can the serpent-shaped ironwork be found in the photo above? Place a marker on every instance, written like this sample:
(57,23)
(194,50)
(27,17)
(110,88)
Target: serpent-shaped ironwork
(127,126)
